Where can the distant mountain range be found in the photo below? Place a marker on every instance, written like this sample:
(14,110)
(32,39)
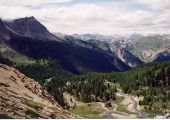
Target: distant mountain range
(148,47)
(80,53)
(106,38)
(145,47)
(70,56)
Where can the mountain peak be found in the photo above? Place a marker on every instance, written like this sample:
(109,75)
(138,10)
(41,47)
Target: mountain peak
(32,28)
(27,19)
(32,18)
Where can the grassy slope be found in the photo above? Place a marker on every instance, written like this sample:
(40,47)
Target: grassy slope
(90,110)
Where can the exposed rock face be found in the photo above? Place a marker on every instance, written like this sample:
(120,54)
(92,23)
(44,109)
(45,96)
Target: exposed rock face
(22,97)
(30,27)
(125,56)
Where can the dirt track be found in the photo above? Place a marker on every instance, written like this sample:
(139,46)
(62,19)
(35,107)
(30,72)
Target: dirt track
(132,106)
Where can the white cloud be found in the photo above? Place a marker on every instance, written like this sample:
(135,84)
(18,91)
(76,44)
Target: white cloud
(29,2)
(108,18)
(155,4)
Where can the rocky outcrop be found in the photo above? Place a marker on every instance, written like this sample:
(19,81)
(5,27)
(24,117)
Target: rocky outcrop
(22,97)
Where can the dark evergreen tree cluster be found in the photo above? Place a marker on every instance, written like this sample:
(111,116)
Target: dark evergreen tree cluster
(42,70)
(93,89)
(152,81)
(5,61)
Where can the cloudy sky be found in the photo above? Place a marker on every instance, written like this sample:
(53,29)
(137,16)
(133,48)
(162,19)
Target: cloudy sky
(93,16)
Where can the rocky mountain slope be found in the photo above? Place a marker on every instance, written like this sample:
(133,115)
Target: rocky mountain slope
(126,56)
(22,97)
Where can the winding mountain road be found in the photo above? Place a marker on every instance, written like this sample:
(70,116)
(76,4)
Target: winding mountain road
(135,107)
(132,106)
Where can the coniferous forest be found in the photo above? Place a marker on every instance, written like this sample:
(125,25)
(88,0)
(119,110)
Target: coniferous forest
(150,80)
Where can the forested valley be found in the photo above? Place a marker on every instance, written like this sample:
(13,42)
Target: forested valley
(150,80)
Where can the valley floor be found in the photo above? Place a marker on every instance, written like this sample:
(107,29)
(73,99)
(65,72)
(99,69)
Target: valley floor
(125,107)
